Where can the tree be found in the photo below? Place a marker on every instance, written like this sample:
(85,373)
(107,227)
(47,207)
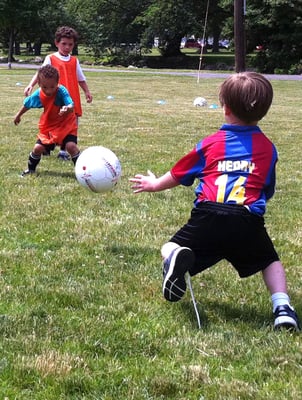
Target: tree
(33,21)
(170,21)
(277,26)
(115,26)
(219,12)
(110,23)
(13,17)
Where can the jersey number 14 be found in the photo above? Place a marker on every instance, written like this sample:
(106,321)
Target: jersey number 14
(237,192)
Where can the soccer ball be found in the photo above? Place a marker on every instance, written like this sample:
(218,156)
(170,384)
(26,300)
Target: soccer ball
(200,102)
(98,169)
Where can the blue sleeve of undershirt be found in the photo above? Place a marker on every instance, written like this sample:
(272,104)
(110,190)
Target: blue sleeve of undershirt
(33,101)
(63,97)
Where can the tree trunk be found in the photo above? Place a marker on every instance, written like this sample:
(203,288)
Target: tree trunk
(10,48)
(17,51)
(37,48)
(171,47)
(239,31)
(215,43)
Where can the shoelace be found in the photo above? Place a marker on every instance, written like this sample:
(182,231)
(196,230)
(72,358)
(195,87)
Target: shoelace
(188,279)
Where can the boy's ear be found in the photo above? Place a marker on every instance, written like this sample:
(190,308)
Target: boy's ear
(227,110)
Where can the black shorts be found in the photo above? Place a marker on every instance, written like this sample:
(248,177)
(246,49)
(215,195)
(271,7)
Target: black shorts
(51,147)
(70,138)
(221,231)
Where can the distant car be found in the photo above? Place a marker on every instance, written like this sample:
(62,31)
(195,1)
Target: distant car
(260,47)
(224,44)
(192,44)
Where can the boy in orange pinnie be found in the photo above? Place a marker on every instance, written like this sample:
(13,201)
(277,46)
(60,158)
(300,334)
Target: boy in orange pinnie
(70,71)
(57,125)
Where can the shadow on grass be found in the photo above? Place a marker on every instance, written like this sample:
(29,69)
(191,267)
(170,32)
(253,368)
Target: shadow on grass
(187,308)
(228,313)
(211,312)
(46,173)
(60,174)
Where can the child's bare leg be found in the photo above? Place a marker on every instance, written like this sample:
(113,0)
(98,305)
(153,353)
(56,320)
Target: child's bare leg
(73,150)
(275,280)
(167,249)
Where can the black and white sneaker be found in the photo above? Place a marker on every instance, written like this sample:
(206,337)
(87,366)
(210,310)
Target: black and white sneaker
(286,317)
(63,155)
(175,267)
(27,172)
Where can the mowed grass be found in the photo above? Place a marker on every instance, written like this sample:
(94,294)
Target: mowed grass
(82,314)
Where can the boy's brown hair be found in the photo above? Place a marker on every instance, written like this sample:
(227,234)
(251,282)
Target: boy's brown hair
(249,96)
(66,32)
(48,72)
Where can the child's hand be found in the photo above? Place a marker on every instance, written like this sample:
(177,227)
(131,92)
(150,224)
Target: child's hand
(63,110)
(143,183)
(17,120)
(27,90)
(88,98)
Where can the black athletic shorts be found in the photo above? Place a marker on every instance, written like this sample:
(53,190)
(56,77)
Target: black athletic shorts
(221,231)
(51,147)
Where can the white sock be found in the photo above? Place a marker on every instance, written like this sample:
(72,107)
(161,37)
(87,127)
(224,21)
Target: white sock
(280,299)
(167,249)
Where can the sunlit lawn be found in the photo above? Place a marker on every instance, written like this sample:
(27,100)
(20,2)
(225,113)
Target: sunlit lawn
(82,314)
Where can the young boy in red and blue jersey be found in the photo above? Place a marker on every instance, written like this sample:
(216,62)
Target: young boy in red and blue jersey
(236,171)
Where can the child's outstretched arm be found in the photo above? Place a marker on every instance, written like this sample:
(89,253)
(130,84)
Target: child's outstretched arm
(85,89)
(17,117)
(29,87)
(150,183)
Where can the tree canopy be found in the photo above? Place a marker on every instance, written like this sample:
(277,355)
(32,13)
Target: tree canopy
(107,25)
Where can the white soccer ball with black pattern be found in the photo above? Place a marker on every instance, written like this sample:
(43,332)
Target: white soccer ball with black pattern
(200,102)
(98,169)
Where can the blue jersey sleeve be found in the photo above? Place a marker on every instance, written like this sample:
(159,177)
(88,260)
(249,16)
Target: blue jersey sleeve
(63,97)
(270,184)
(189,167)
(33,101)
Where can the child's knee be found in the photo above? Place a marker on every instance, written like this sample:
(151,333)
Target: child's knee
(72,148)
(167,249)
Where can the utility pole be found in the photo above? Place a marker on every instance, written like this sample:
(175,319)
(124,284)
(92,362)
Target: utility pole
(239,33)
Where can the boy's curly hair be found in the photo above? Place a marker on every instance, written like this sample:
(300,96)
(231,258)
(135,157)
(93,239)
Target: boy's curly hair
(66,32)
(48,72)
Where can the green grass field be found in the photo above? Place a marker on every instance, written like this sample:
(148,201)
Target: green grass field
(82,314)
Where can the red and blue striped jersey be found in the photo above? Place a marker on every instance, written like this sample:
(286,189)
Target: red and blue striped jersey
(235,165)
